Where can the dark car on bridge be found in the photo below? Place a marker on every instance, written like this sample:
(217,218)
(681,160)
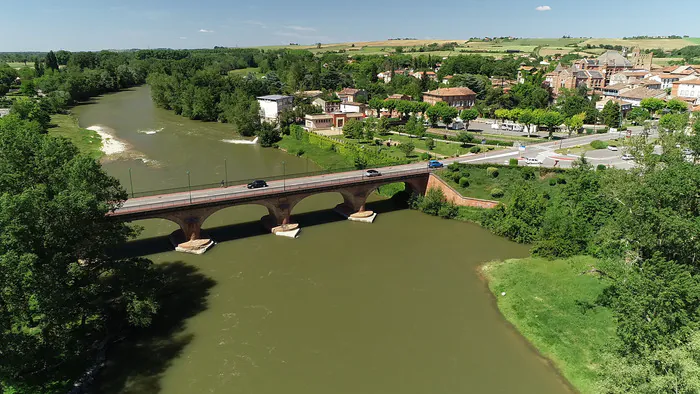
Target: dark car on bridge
(434,164)
(256,184)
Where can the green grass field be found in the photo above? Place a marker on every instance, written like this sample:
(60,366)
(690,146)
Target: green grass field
(18,65)
(87,141)
(481,184)
(547,302)
(325,158)
(694,40)
(245,71)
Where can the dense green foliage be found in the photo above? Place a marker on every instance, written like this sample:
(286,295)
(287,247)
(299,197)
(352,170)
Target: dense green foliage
(63,292)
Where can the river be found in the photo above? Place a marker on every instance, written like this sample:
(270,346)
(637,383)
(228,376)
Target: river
(396,306)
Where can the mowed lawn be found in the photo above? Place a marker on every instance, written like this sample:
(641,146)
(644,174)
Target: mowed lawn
(481,184)
(551,304)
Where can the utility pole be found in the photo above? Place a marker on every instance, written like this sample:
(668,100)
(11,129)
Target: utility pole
(189,186)
(284,176)
(226,173)
(131,182)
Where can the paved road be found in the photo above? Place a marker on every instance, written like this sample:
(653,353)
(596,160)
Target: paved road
(544,151)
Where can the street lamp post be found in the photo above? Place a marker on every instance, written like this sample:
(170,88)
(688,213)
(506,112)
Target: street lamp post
(131,182)
(284,176)
(225,173)
(189,186)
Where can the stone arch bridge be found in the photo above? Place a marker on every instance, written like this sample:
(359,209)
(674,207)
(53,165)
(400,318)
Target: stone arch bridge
(189,210)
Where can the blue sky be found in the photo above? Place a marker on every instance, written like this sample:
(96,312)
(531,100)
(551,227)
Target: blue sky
(97,24)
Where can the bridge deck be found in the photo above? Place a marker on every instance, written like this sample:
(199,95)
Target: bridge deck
(241,194)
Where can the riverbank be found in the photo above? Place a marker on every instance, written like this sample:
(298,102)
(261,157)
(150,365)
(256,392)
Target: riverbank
(87,141)
(550,304)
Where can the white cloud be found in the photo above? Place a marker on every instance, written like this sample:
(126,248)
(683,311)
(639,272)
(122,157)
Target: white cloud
(205,31)
(256,23)
(543,8)
(300,28)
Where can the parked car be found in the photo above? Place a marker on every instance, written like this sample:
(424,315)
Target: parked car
(627,156)
(256,184)
(434,164)
(371,173)
(533,160)
(612,148)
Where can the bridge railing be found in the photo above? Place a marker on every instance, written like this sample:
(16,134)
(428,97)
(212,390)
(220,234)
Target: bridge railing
(245,181)
(186,200)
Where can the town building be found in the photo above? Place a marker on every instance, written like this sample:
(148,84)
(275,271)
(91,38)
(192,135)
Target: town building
(688,89)
(351,95)
(608,64)
(272,105)
(459,98)
(446,79)
(398,96)
(636,95)
(629,76)
(428,74)
(311,94)
(327,106)
(329,121)
(353,108)
(523,71)
(573,77)
(625,107)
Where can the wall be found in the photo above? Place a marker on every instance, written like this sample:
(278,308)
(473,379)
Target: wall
(456,198)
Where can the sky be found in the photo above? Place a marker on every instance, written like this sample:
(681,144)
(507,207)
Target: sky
(74,25)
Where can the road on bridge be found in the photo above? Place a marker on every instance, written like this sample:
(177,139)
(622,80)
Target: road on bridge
(202,196)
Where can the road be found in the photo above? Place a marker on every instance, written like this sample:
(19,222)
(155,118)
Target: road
(544,151)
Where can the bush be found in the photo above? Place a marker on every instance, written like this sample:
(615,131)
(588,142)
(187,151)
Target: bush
(561,180)
(601,167)
(465,174)
(602,131)
(448,211)
(424,156)
(490,148)
(456,176)
(552,182)
(528,173)
(492,172)
(300,152)
(454,167)
(497,192)
(513,162)
(475,149)
(463,182)
(598,144)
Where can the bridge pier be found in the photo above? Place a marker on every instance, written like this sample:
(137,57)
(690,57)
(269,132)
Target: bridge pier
(189,238)
(279,218)
(353,206)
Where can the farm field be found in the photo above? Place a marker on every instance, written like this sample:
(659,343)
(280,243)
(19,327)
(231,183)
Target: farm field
(668,44)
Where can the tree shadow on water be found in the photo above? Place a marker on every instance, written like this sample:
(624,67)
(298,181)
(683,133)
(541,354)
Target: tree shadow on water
(136,364)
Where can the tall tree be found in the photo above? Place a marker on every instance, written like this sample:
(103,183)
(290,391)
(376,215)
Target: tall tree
(63,291)
(612,114)
(51,61)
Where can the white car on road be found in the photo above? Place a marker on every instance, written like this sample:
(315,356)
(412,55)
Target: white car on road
(612,148)
(627,156)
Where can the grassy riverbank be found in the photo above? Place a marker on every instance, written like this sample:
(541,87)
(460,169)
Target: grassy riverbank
(547,301)
(326,159)
(87,141)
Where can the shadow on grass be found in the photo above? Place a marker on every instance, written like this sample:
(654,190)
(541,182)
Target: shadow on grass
(136,365)
(161,244)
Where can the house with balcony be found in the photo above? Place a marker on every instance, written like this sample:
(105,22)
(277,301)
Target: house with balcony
(352,95)
(688,90)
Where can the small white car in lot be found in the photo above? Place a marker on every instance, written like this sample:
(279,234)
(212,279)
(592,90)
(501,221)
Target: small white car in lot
(533,160)
(627,156)
(612,148)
